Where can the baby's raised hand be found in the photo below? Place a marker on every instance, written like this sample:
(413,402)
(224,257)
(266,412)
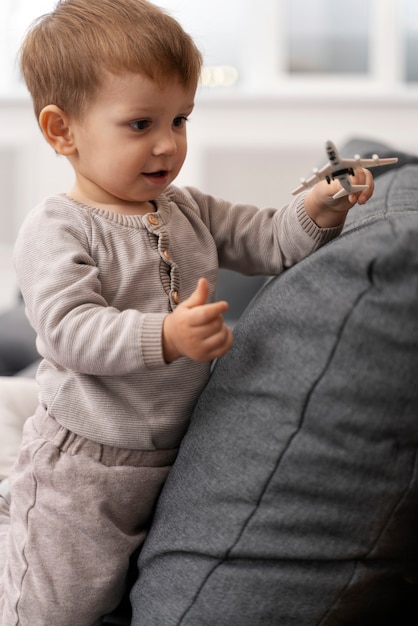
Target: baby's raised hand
(197,329)
(328,212)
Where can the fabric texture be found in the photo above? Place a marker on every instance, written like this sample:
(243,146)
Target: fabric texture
(294,498)
(98,285)
(78,511)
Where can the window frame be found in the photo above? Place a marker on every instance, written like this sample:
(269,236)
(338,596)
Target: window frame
(387,62)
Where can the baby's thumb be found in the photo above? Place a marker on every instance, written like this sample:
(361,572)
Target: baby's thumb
(199,296)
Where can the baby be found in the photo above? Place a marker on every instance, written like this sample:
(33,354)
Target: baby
(119,276)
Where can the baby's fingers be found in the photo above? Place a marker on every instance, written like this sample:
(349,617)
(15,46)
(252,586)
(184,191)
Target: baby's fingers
(217,344)
(362,177)
(208,313)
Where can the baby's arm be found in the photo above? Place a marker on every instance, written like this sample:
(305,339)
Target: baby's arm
(327,212)
(196,329)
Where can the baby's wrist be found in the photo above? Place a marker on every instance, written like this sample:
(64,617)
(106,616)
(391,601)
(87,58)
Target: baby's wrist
(170,351)
(325,214)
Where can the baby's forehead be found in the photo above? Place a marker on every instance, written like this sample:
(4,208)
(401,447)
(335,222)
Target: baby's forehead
(132,91)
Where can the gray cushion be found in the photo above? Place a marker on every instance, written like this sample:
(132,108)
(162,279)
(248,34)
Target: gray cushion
(17,341)
(294,499)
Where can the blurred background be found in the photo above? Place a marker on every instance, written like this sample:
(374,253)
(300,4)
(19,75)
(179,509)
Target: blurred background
(280,78)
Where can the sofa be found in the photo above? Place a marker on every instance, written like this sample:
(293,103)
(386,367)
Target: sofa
(294,497)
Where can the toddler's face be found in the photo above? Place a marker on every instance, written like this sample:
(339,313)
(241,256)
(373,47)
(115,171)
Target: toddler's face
(131,144)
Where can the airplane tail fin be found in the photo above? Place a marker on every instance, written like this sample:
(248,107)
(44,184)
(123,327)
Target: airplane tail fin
(344,192)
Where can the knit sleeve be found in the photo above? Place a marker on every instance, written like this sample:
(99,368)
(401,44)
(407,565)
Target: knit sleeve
(255,240)
(60,281)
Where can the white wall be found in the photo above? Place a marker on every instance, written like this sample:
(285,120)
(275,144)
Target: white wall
(248,148)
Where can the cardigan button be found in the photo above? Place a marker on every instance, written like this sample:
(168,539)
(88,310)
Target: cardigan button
(153,220)
(166,255)
(176,298)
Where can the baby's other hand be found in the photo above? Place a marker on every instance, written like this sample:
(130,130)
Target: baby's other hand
(197,329)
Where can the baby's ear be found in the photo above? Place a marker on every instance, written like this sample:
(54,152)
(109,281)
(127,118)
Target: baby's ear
(56,128)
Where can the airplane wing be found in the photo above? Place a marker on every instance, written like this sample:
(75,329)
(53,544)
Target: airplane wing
(375,161)
(317,176)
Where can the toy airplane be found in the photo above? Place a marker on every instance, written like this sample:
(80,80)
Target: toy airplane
(341,169)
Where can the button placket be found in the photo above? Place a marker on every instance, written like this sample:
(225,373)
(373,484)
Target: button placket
(169,273)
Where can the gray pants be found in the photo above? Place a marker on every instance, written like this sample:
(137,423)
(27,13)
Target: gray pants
(78,510)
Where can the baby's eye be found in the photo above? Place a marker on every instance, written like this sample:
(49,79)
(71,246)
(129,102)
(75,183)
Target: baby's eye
(140,124)
(180,121)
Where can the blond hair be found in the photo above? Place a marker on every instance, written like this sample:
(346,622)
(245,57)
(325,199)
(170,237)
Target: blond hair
(65,52)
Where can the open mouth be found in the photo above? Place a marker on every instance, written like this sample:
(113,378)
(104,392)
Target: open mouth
(157,176)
